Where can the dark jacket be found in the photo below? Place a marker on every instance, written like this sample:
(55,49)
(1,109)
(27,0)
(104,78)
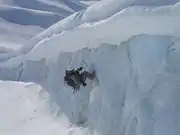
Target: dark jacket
(71,75)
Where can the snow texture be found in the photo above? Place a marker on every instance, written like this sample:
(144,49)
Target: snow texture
(37,12)
(92,34)
(14,36)
(28,17)
(135,53)
(137,93)
(27,109)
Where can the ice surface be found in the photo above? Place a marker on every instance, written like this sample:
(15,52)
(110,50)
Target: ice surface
(135,53)
(137,93)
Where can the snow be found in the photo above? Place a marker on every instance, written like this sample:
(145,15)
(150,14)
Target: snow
(37,12)
(107,8)
(56,38)
(97,33)
(27,109)
(29,17)
(135,52)
(89,2)
(60,6)
(129,18)
(19,34)
(138,84)
(64,7)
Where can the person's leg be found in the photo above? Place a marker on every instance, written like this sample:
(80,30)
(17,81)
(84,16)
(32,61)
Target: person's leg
(76,80)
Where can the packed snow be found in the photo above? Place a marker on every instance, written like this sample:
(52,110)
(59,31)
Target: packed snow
(134,48)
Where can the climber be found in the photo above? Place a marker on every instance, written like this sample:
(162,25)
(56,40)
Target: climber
(75,78)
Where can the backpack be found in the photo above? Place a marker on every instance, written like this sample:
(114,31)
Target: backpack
(70,79)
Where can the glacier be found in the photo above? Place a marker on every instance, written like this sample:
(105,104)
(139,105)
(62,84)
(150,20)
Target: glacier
(135,53)
(137,93)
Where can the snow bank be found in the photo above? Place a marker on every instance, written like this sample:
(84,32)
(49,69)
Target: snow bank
(138,89)
(26,109)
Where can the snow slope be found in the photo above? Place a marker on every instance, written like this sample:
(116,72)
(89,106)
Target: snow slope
(136,57)
(24,16)
(13,36)
(89,2)
(27,109)
(36,12)
(107,8)
(64,7)
(136,18)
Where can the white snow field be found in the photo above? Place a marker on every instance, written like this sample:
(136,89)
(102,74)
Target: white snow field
(42,13)
(135,52)
(26,109)
(14,36)
(137,93)
(64,7)
(138,19)
(25,16)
